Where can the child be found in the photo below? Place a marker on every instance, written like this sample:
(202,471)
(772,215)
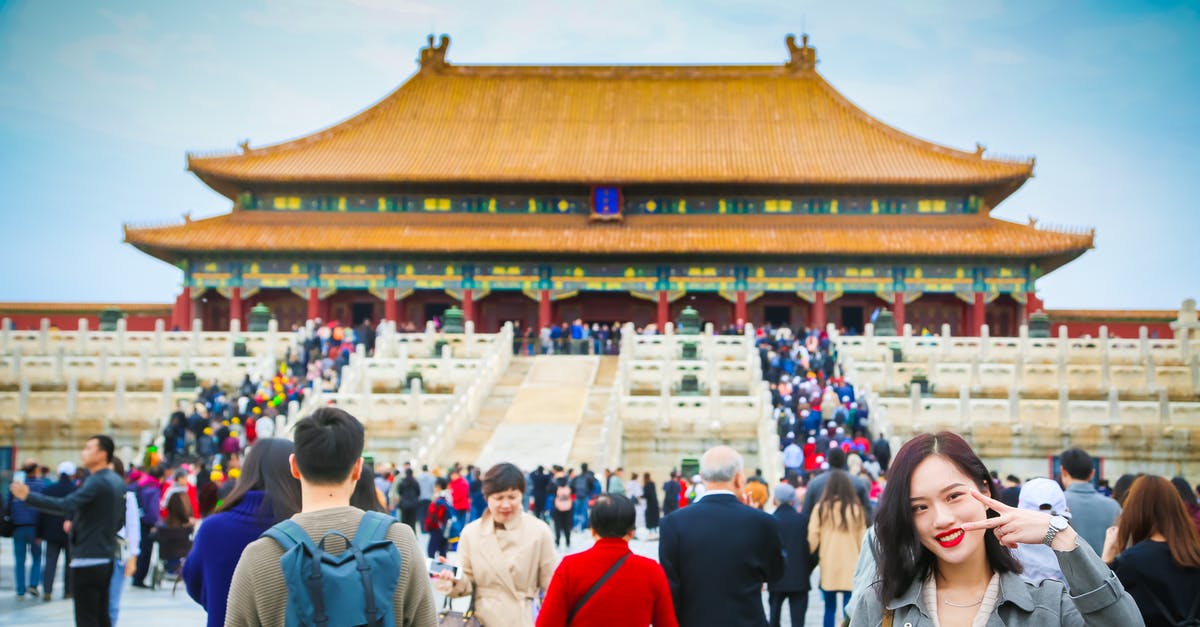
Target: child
(437,518)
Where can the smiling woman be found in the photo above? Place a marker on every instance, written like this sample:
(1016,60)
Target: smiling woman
(942,546)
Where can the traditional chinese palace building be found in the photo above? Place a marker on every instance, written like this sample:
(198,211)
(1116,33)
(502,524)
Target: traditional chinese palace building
(547,193)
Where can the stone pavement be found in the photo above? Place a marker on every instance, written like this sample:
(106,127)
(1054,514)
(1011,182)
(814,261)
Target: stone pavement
(162,606)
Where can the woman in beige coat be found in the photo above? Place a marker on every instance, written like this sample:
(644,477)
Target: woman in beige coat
(835,533)
(507,555)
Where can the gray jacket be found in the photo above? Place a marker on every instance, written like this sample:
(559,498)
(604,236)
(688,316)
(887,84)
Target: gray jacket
(97,509)
(1104,603)
(1092,513)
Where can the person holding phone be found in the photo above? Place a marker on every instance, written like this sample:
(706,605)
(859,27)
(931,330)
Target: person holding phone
(507,555)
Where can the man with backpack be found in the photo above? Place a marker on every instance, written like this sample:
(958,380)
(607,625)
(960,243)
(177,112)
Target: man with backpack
(331,559)
(437,518)
(583,485)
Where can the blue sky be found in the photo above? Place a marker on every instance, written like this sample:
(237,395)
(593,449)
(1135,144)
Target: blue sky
(99,101)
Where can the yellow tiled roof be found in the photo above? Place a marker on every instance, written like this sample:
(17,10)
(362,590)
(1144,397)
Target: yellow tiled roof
(769,124)
(257,232)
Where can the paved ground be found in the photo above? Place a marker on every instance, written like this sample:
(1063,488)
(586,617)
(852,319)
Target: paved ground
(156,607)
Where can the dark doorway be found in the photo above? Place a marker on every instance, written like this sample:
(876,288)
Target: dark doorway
(777,316)
(435,311)
(361,311)
(852,319)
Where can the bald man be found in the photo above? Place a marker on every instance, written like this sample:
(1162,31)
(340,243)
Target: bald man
(719,551)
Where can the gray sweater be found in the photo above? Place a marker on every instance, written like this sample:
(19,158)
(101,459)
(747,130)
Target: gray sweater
(97,510)
(1102,600)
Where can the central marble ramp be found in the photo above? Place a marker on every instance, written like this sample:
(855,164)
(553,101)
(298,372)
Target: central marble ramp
(539,425)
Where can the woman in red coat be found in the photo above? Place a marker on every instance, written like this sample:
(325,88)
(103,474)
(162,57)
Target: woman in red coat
(635,591)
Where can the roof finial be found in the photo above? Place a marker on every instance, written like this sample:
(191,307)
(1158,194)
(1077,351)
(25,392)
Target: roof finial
(979,149)
(434,57)
(803,57)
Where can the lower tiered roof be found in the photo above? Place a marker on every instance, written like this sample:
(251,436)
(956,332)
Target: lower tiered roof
(257,232)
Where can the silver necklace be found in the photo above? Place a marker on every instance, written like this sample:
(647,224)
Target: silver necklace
(953,604)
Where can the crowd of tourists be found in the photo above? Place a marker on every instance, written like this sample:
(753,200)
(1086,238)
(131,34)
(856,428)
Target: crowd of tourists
(944,543)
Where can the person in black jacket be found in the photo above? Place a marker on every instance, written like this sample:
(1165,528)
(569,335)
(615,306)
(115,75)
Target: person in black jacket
(794,585)
(50,529)
(718,552)
(97,510)
(670,500)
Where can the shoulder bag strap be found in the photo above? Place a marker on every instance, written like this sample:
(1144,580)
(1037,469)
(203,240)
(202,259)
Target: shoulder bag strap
(596,586)
(888,617)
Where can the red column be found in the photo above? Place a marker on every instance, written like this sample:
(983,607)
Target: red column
(235,305)
(1033,304)
(663,312)
(898,312)
(818,311)
(739,309)
(185,309)
(544,310)
(978,313)
(468,305)
(389,304)
(314,304)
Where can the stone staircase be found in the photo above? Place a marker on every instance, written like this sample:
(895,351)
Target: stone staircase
(587,444)
(534,413)
(470,444)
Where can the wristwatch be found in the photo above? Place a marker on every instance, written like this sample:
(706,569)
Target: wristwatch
(1057,524)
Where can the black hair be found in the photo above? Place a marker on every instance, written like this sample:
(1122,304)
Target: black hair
(366,495)
(106,444)
(501,478)
(118,466)
(836,458)
(901,557)
(612,516)
(328,443)
(266,469)
(1121,487)
(441,483)
(1013,478)
(839,496)
(1077,463)
(1185,491)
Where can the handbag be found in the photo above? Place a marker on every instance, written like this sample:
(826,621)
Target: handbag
(451,618)
(7,526)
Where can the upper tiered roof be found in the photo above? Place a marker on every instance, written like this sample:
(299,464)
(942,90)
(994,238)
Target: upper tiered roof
(743,124)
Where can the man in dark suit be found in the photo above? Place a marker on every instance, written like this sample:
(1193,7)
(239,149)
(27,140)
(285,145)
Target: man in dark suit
(718,552)
(794,585)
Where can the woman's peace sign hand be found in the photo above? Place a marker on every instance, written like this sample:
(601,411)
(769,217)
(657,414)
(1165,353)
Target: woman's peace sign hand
(1019,526)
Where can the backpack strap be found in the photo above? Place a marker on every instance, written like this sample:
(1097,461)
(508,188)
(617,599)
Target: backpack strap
(373,529)
(289,535)
(596,586)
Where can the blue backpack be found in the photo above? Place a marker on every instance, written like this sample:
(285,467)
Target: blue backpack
(347,590)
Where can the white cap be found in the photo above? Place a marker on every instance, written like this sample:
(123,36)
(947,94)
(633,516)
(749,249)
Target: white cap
(66,468)
(1041,491)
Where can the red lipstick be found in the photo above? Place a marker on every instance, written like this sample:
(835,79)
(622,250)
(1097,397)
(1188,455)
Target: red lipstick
(951,538)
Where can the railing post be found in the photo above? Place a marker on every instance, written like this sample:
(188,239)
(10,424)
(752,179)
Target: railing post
(23,399)
(102,365)
(119,398)
(44,337)
(918,406)
(72,397)
(1143,343)
(60,358)
(1105,359)
(964,408)
(122,328)
(985,344)
(1064,409)
(1164,407)
(6,336)
(197,327)
(81,338)
(159,328)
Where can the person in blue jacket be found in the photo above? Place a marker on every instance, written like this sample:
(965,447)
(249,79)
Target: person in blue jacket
(266,493)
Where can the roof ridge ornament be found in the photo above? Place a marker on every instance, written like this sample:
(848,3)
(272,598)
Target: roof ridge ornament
(434,57)
(803,57)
